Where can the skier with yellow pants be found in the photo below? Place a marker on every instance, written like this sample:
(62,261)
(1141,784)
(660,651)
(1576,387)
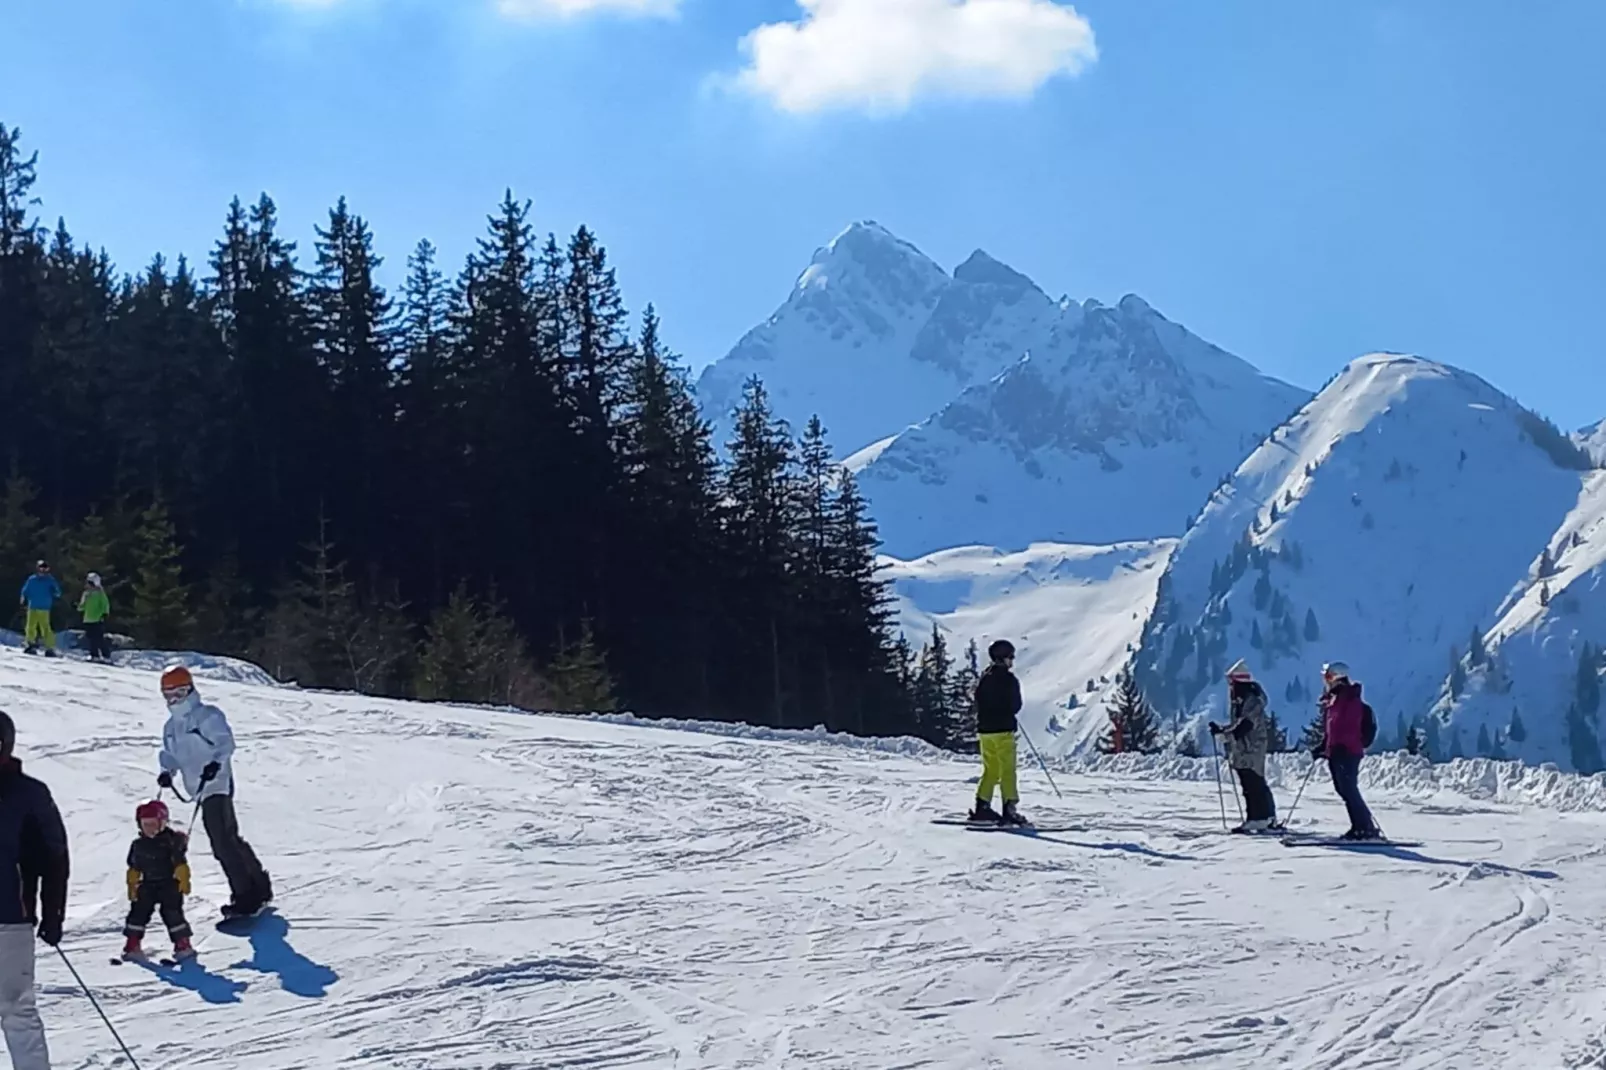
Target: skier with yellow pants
(997,703)
(39,596)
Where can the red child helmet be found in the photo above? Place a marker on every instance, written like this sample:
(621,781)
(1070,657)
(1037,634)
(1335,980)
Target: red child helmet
(156,808)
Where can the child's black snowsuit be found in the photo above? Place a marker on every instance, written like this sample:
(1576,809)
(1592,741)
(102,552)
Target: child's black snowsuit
(158,878)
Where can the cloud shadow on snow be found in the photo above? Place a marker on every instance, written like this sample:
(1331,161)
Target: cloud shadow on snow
(272,954)
(196,978)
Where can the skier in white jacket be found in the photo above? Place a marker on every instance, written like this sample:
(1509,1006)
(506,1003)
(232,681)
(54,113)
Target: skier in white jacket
(198,744)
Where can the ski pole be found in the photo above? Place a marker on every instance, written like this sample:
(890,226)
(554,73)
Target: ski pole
(1221,798)
(93,1002)
(1300,793)
(1040,762)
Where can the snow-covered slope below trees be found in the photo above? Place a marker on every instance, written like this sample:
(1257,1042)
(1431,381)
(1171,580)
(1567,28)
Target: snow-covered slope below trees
(1531,688)
(1593,440)
(461,889)
(1113,429)
(876,336)
(1383,525)
(1072,612)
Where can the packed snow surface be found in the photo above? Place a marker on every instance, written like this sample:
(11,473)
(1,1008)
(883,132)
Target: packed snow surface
(465,888)
(1073,613)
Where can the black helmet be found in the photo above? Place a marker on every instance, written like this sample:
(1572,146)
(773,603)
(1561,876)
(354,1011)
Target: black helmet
(8,735)
(1001,650)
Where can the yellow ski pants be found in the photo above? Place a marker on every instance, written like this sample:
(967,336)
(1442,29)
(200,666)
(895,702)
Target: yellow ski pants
(38,629)
(997,766)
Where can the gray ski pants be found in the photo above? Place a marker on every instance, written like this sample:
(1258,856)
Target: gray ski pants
(19,1016)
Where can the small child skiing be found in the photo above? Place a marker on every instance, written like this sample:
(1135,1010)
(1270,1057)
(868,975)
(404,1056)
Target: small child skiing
(158,879)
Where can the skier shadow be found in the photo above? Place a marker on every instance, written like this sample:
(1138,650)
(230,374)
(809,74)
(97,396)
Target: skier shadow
(1406,854)
(191,975)
(1124,848)
(271,953)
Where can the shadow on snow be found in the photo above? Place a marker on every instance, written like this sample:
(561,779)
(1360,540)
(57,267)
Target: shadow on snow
(271,953)
(1406,854)
(194,977)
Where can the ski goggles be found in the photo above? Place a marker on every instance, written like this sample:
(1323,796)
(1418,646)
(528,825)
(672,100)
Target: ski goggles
(174,695)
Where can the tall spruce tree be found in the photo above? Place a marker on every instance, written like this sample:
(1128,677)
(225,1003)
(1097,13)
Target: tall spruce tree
(1133,724)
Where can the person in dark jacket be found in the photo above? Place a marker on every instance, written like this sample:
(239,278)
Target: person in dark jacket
(158,878)
(1344,745)
(33,898)
(1248,736)
(997,703)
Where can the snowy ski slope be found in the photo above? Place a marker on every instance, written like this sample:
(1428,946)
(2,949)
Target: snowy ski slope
(475,889)
(1073,613)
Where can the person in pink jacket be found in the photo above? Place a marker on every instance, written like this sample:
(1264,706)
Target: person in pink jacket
(1344,745)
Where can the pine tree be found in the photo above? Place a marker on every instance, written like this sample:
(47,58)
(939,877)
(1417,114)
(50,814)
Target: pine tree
(1262,592)
(1544,594)
(1314,738)
(1458,674)
(1485,746)
(933,691)
(1276,734)
(1255,639)
(20,530)
(579,676)
(161,616)
(1517,732)
(226,614)
(1476,654)
(472,653)
(1313,632)
(1133,725)
(1587,687)
(1583,741)
(1414,743)
(962,700)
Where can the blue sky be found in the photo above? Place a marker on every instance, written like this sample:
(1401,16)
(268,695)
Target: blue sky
(1299,183)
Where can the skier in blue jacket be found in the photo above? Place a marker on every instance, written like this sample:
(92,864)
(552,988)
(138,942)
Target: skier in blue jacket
(40,594)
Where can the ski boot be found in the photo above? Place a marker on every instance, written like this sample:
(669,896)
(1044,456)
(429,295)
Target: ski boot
(50,652)
(30,649)
(132,951)
(1363,835)
(983,812)
(183,950)
(1255,825)
(1013,816)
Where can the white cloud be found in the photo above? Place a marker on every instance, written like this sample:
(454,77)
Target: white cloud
(530,9)
(880,55)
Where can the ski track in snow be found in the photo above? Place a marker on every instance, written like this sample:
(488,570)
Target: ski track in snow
(478,889)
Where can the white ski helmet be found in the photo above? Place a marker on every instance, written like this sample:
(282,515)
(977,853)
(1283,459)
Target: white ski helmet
(94,579)
(1335,670)
(1240,671)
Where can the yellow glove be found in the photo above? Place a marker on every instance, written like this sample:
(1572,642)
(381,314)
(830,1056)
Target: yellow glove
(133,884)
(182,872)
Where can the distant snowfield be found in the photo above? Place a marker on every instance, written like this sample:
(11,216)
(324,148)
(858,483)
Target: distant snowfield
(1070,610)
(464,888)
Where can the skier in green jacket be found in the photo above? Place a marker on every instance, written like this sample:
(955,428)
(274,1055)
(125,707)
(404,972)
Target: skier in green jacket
(95,607)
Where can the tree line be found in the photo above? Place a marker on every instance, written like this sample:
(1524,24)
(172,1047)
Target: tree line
(492,485)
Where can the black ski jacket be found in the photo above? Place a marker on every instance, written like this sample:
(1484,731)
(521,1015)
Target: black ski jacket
(160,857)
(33,850)
(997,701)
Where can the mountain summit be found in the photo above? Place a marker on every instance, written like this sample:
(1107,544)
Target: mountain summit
(876,336)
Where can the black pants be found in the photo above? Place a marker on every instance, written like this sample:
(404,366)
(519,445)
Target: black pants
(1258,803)
(154,895)
(248,881)
(95,635)
(1346,772)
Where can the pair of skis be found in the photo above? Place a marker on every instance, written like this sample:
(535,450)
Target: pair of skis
(1284,836)
(229,923)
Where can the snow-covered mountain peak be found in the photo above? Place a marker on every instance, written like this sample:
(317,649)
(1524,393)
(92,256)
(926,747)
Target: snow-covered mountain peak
(982,269)
(876,336)
(1381,525)
(1117,406)
(871,264)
